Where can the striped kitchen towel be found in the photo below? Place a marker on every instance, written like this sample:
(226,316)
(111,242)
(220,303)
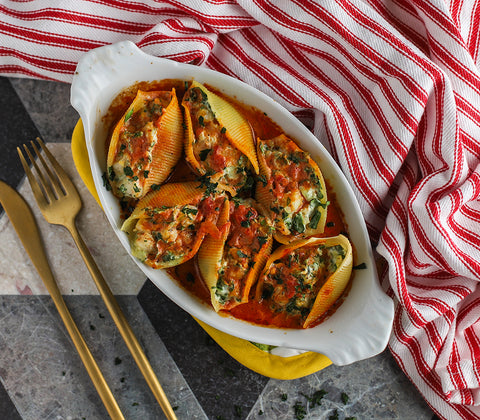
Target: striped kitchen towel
(391,88)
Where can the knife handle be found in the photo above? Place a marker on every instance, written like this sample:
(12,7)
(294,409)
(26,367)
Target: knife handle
(86,356)
(122,324)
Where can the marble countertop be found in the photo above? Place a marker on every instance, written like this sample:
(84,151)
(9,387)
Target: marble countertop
(41,374)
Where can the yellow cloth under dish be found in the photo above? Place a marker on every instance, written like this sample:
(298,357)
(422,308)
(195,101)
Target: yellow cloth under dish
(243,351)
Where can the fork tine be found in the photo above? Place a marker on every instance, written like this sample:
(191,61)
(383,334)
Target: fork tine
(45,187)
(37,190)
(67,184)
(54,179)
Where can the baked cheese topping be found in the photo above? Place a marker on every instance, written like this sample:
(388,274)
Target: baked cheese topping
(292,282)
(249,233)
(223,162)
(164,235)
(137,138)
(299,198)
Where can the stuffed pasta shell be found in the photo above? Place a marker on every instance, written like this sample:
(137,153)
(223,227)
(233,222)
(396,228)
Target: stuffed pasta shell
(167,226)
(303,279)
(293,188)
(231,263)
(218,142)
(146,144)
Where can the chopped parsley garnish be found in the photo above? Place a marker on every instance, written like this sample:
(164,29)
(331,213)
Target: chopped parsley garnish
(245,223)
(189,210)
(249,181)
(157,236)
(276,210)
(295,159)
(241,254)
(316,398)
(262,240)
(155,187)
(111,173)
(263,180)
(106,184)
(223,130)
(300,411)
(168,256)
(204,97)
(361,266)
(204,153)
(128,171)
(314,179)
(201,121)
(207,183)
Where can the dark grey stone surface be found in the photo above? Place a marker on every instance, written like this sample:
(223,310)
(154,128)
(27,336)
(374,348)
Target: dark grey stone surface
(15,125)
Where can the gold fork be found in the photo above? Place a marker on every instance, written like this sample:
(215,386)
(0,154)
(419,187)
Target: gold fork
(59,202)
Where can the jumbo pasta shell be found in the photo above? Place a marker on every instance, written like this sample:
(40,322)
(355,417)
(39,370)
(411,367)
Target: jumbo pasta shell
(306,277)
(230,264)
(146,144)
(189,142)
(292,187)
(174,193)
(209,257)
(168,226)
(238,128)
(218,139)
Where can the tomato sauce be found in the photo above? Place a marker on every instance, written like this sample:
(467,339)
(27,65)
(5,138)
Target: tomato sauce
(187,273)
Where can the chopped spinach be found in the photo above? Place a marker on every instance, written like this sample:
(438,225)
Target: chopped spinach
(298,224)
(315,219)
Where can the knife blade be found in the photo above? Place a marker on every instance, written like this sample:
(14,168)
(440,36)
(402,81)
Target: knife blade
(23,221)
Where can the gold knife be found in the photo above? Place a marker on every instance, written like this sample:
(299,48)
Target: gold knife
(24,223)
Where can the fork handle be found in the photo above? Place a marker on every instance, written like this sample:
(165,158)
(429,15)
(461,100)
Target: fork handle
(85,355)
(122,323)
